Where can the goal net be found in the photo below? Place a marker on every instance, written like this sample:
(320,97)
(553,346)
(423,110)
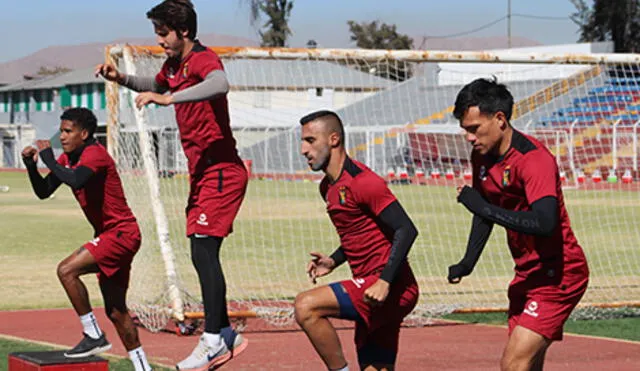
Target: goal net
(396,107)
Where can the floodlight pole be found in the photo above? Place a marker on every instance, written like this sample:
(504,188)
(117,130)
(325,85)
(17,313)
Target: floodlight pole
(509,24)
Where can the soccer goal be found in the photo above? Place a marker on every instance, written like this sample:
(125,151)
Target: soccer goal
(396,107)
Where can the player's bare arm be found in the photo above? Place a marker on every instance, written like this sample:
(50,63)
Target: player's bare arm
(149,97)
(109,72)
(320,265)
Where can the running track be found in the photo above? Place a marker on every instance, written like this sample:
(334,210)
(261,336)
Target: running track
(440,347)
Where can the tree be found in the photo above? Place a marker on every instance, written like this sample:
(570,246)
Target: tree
(277,25)
(615,20)
(377,35)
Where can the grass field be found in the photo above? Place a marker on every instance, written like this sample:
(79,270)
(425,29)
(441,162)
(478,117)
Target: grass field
(280,222)
(9,346)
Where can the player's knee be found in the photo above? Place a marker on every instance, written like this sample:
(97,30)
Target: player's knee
(115,315)
(66,271)
(513,362)
(303,307)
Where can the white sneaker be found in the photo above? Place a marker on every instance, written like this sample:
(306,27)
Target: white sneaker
(205,357)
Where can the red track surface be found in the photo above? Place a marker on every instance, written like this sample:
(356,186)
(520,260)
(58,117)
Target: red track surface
(440,347)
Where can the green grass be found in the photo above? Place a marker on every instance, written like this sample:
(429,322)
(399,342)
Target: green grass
(11,346)
(280,223)
(619,328)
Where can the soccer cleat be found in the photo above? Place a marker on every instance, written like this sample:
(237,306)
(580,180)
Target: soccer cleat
(89,346)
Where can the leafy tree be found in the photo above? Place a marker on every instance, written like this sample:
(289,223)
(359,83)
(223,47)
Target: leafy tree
(377,35)
(614,20)
(275,31)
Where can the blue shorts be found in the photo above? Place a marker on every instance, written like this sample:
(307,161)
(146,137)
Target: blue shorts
(369,353)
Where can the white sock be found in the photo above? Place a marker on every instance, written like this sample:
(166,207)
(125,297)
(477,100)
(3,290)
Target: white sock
(90,324)
(139,359)
(345,368)
(213,340)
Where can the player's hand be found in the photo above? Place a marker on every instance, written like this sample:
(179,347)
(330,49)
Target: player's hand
(471,199)
(43,144)
(377,293)
(320,265)
(29,153)
(109,72)
(456,272)
(150,97)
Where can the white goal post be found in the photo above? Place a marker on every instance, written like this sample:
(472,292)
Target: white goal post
(396,107)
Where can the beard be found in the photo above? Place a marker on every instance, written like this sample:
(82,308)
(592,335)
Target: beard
(322,160)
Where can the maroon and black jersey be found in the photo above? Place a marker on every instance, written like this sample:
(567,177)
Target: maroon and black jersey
(204,126)
(101,198)
(353,201)
(525,174)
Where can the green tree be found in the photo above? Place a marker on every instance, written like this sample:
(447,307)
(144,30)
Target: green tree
(377,35)
(275,31)
(609,20)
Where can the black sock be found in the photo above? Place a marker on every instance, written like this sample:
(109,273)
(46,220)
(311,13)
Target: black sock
(205,255)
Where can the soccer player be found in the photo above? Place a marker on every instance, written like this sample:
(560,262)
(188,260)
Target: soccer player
(375,237)
(87,168)
(194,78)
(516,185)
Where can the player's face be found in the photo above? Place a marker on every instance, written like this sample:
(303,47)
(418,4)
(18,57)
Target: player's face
(168,39)
(72,136)
(484,132)
(315,145)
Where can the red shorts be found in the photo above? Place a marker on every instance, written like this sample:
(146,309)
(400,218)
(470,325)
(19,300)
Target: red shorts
(380,326)
(214,200)
(545,309)
(113,251)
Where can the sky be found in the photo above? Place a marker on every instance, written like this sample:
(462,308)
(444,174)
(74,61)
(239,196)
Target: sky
(27,26)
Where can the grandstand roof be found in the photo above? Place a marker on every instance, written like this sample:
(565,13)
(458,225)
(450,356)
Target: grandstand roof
(246,74)
(299,74)
(75,77)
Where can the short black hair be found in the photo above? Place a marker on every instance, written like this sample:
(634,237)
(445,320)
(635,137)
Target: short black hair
(490,97)
(177,15)
(82,117)
(325,113)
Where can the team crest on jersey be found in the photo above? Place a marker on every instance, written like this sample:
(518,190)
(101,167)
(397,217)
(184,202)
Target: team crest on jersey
(483,173)
(506,176)
(342,195)
(185,70)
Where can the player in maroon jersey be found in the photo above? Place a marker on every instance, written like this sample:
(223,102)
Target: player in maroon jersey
(375,237)
(194,78)
(91,173)
(516,184)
